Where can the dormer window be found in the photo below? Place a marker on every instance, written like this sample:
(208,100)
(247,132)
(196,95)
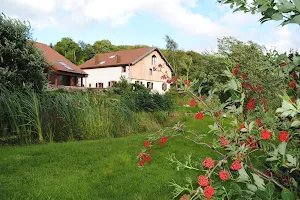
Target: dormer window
(153,59)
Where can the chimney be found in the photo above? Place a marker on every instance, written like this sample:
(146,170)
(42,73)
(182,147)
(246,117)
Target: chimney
(97,59)
(118,59)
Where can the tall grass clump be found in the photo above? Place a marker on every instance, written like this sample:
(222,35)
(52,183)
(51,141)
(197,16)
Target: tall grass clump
(28,117)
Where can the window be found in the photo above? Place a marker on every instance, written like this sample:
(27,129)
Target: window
(150,85)
(96,85)
(111,83)
(150,71)
(123,69)
(100,85)
(101,63)
(65,65)
(153,59)
(90,85)
(164,86)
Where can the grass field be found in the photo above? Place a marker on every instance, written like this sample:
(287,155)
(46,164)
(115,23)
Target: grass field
(102,169)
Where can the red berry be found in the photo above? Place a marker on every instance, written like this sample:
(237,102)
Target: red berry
(199,116)
(185,197)
(142,163)
(265,134)
(236,165)
(259,123)
(283,64)
(203,181)
(224,175)
(209,192)
(235,71)
(244,77)
(193,102)
(169,81)
(147,143)
(283,136)
(187,82)
(251,104)
(292,84)
(241,127)
(208,163)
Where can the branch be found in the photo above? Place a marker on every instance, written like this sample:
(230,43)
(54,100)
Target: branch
(200,143)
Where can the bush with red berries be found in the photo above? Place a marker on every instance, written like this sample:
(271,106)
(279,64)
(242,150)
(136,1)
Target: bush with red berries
(258,151)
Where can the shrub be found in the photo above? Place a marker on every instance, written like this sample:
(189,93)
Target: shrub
(22,65)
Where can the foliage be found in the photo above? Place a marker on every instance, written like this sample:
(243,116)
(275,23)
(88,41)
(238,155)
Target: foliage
(70,49)
(286,11)
(28,117)
(22,65)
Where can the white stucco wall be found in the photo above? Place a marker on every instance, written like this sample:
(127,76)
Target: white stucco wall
(104,75)
(157,85)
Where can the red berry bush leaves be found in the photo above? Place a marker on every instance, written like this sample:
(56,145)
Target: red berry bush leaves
(258,150)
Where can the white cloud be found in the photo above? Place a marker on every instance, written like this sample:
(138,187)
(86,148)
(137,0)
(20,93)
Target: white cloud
(71,14)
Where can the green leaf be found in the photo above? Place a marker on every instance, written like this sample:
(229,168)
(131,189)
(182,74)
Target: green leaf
(243,176)
(277,16)
(295,20)
(287,195)
(282,148)
(292,160)
(297,4)
(236,188)
(251,187)
(259,182)
(241,8)
(261,2)
(295,123)
(270,189)
(263,8)
(288,5)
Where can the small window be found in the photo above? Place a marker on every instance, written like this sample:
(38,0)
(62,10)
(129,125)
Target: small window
(153,59)
(111,83)
(137,82)
(123,69)
(100,85)
(90,85)
(150,85)
(164,86)
(96,85)
(150,71)
(141,82)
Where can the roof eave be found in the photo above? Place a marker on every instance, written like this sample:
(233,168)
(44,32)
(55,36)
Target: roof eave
(153,49)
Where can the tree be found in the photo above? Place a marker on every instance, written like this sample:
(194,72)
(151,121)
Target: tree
(68,48)
(171,49)
(255,64)
(22,65)
(87,52)
(103,46)
(284,10)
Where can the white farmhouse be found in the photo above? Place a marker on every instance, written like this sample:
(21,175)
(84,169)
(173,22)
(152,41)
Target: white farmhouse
(146,66)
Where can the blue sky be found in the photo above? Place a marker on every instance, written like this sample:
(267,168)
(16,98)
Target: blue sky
(194,24)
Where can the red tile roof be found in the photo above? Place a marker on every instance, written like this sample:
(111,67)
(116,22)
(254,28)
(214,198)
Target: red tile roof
(53,57)
(118,58)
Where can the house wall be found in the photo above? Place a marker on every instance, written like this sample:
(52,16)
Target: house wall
(140,71)
(157,85)
(104,75)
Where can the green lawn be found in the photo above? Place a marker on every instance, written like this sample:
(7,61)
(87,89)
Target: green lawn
(103,169)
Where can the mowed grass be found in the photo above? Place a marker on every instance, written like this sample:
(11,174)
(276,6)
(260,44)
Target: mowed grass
(102,169)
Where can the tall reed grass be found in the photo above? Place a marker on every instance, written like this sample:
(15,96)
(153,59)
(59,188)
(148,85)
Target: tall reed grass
(28,117)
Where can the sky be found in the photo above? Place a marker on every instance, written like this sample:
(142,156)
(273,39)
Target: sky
(193,24)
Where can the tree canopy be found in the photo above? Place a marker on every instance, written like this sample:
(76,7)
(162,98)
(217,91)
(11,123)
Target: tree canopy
(22,65)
